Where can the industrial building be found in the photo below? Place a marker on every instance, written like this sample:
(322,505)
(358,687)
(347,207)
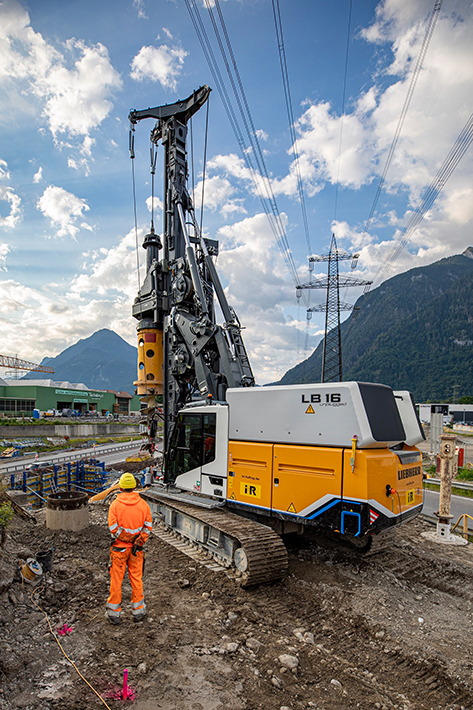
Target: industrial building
(20,397)
(457,413)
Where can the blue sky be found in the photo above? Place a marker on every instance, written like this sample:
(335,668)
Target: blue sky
(71,71)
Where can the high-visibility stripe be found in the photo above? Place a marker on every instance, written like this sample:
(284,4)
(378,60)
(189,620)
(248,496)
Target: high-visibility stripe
(136,605)
(112,527)
(148,525)
(113,606)
(132,531)
(138,612)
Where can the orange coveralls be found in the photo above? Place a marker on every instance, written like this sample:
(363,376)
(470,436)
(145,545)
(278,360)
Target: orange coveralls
(129,522)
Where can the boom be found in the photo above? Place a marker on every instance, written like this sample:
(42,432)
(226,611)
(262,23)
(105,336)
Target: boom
(182,351)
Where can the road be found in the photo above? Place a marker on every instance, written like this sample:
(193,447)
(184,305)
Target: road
(459,506)
(110,453)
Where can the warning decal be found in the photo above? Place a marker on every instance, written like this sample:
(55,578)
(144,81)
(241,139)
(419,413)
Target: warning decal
(310,410)
(291,509)
(233,496)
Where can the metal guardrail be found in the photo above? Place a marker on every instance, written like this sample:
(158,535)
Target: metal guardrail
(15,467)
(455,484)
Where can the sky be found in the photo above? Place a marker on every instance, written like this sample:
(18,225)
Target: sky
(71,71)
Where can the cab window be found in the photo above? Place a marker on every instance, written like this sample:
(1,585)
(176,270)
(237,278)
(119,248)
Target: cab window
(192,443)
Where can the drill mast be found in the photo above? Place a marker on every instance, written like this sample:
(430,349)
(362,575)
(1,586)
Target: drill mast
(182,351)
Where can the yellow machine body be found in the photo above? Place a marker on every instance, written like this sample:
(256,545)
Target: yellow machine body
(318,486)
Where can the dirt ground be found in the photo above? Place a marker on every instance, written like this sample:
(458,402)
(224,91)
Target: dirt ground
(389,631)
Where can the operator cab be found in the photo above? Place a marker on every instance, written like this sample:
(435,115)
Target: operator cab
(197,459)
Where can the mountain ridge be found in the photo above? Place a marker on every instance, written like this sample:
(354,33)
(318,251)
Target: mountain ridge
(102,361)
(392,317)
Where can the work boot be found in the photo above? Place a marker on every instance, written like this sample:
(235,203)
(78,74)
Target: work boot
(139,617)
(112,619)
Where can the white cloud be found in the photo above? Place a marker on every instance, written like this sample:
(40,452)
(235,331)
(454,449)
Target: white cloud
(8,195)
(139,6)
(252,267)
(73,87)
(217,191)
(38,176)
(54,322)
(163,64)
(157,203)
(4,249)
(63,209)
(111,270)
(78,99)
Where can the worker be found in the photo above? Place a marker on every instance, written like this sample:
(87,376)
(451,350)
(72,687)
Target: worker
(130,524)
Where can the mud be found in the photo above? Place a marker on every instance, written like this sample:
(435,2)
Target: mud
(340,631)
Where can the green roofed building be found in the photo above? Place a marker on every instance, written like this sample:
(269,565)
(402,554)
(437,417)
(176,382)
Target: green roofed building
(20,397)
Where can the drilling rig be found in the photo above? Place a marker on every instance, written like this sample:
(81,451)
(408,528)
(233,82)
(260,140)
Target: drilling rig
(245,465)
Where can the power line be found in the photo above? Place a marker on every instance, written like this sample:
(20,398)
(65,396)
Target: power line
(343,109)
(412,85)
(456,153)
(290,116)
(250,149)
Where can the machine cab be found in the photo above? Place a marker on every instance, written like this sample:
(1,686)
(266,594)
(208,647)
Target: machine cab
(197,459)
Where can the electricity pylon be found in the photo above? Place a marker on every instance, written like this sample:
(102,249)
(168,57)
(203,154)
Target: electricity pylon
(332,353)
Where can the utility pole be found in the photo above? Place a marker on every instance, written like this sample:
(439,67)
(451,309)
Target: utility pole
(332,353)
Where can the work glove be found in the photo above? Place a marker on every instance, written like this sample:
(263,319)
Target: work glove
(136,548)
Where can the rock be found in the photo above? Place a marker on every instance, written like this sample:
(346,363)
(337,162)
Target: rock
(142,668)
(231,647)
(184,583)
(309,637)
(253,644)
(288,661)
(299,635)
(12,599)
(205,595)
(277,682)
(380,634)
(232,616)
(420,620)
(336,683)
(284,707)
(6,576)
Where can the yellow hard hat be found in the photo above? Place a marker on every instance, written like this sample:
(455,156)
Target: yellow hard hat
(127,480)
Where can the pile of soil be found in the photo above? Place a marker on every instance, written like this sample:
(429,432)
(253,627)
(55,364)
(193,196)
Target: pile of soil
(339,631)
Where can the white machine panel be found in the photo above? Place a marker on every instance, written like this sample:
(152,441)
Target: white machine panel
(410,420)
(316,414)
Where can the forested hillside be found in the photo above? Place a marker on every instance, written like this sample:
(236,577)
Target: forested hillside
(415,331)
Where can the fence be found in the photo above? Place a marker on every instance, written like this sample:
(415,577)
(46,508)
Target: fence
(90,477)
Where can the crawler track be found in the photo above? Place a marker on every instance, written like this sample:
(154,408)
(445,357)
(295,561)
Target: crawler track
(259,553)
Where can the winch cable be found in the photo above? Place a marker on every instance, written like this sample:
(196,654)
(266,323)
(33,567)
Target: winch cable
(131,149)
(204,167)
(268,203)
(37,591)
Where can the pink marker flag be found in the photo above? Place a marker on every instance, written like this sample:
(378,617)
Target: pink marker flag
(125,684)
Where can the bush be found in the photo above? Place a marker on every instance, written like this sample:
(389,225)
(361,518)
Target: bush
(6,514)
(465,474)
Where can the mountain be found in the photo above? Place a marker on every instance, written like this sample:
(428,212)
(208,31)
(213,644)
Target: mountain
(413,332)
(103,361)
